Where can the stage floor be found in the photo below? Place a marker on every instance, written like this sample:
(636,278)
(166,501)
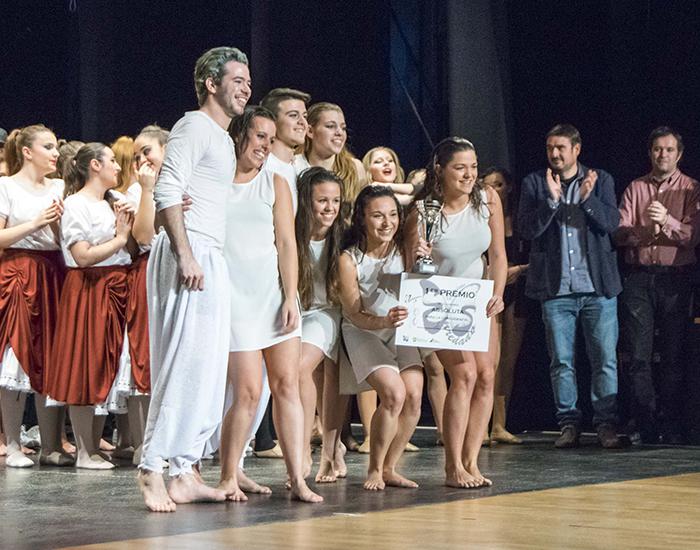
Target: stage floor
(542,498)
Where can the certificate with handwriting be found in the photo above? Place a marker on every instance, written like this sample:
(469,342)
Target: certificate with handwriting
(445,312)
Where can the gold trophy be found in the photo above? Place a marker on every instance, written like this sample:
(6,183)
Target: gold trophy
(429,215)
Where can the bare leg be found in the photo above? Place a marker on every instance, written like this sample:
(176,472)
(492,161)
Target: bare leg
(245,374)
(138,413)
(385,422)
(413,382)
(12,405)
(311,357)
(437,390)
(51,421)
(461,368)
(282,362)
(155,495)
(514,328)
(367,403)
(480,410)
(86,439)
(332,464)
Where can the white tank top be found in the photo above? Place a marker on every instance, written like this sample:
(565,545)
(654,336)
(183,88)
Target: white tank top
(319,269)
(379,280)
(465,237)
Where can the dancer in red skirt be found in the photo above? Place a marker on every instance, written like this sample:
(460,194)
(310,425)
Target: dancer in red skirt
(31,275)
(92,311)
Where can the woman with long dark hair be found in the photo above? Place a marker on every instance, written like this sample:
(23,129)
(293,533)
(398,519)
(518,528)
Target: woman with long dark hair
(260,250)
(370,273)
(319,230)
(471,224)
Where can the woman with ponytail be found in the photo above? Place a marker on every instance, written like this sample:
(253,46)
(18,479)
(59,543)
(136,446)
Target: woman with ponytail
(92,312)
(471,225)
(31,276)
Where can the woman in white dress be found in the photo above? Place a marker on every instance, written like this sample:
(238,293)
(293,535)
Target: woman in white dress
(260,250)
(319,231)
(92,311)
(326,146)
(31,276)
(370,274)
(472,224)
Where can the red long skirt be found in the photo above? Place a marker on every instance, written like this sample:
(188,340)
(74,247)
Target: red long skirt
(89,335)
(137,325)
(30,286)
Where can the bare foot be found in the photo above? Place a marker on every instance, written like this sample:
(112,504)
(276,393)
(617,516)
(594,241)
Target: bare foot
(16,459)
(105,446)
(461,479)
(341,469)
(155,495)
(185,488)
(247,485)
(504,436)
(474,471)
(232,490)
(67,446)
(92,462)
(394,479)
(364,448)
(3,446)
(374,482)
(351,444)
(56,458)
(28,451)
(300,491)
(326,472)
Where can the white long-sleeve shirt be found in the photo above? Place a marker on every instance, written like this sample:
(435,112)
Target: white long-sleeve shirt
(200,161)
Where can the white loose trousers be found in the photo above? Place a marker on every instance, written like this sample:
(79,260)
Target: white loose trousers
(189,335)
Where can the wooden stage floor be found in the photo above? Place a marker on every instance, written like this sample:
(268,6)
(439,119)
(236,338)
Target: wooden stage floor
(641,498)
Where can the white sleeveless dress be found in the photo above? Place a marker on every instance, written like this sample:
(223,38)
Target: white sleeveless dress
(320,324)
(466,235)
(251,256)
(379,281)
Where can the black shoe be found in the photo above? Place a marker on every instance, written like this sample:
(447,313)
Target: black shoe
(608,437)
(568,438)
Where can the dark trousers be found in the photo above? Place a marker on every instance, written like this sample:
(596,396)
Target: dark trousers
(654,299)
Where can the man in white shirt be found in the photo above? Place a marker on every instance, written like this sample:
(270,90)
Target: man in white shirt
(188,286)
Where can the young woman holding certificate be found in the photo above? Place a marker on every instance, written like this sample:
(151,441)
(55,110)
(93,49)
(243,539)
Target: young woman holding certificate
(370,273)
(260,250)
(472,223)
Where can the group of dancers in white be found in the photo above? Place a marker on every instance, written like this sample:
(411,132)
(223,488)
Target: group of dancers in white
(243,262)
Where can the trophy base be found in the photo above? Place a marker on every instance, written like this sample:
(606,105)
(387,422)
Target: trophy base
(424,268)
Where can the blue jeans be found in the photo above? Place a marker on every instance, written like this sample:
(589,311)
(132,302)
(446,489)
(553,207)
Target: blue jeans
(598,317)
